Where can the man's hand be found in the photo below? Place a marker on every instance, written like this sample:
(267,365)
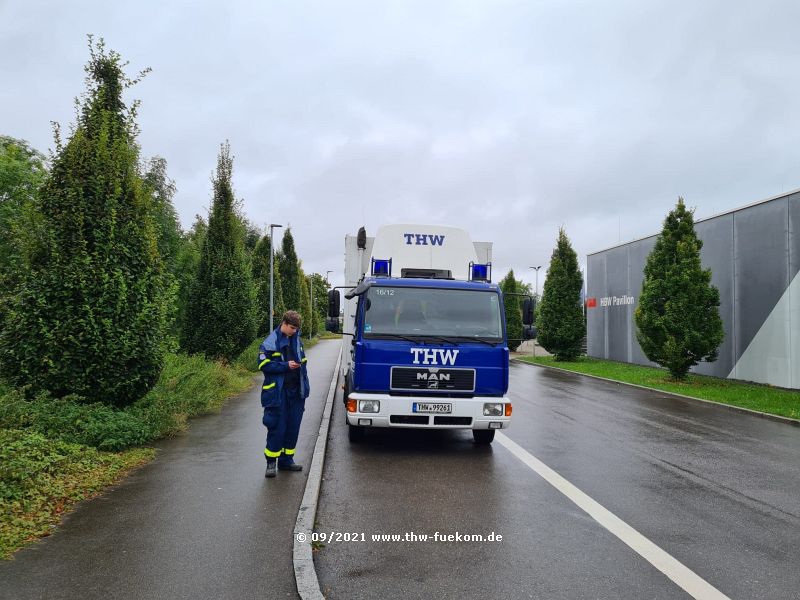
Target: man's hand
(294,365)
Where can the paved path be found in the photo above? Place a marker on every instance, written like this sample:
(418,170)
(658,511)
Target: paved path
(198,522)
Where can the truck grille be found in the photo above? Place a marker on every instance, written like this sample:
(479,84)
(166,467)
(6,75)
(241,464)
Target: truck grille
(432,379)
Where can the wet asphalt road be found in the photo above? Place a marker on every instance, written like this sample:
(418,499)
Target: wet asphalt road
(716,489)
(198,522)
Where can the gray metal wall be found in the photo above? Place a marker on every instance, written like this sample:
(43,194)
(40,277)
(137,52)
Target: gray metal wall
(754,257)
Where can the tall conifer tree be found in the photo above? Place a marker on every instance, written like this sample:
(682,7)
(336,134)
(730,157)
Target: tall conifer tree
(677,319)
(513,311)
(92,313)
(290,273)
(560,319)
(305,304)
(221,316)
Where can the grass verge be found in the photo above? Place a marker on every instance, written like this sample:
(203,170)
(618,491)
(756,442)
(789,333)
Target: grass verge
(56,452)
(41,479)
(763,398)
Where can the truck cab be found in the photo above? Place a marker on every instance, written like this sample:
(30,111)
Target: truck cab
(424,349)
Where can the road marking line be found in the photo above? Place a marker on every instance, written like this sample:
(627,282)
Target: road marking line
(684,577)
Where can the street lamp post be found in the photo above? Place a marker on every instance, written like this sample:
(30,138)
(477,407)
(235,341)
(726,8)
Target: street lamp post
(326,275)
(536,294)
(271,269)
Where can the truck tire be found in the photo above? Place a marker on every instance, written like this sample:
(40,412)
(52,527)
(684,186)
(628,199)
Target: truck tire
(483,436)
(355,433)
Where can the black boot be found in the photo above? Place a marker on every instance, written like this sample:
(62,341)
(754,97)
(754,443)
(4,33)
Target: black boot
(289,465)
(271,470)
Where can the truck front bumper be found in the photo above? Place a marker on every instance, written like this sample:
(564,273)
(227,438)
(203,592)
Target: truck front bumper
(410,411)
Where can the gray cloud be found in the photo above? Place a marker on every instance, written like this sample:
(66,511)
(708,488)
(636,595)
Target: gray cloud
(507,118)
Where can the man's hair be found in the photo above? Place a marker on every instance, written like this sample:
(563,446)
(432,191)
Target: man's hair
(291,317)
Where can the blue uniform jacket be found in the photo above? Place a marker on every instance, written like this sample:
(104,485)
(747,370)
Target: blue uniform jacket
(271,363)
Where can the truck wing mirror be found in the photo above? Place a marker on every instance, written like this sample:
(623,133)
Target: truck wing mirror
(332,324)
(333,304)
(528,309)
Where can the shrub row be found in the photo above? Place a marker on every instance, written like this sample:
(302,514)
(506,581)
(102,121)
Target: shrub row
(188,386)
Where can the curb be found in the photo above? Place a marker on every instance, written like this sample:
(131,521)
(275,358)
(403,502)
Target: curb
(739,409)
(304,573)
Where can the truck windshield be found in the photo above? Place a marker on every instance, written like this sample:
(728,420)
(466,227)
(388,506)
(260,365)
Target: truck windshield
(403,311)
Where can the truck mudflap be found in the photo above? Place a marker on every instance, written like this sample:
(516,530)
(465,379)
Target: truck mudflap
(428,412)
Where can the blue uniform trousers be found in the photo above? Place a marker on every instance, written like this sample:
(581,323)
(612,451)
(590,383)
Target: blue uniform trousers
(283,425)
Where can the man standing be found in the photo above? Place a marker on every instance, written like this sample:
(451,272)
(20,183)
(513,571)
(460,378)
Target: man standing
(284,393)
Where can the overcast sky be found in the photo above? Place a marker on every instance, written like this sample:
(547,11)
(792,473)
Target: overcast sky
(507,118)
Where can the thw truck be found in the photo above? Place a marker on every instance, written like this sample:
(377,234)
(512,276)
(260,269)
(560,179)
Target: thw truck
(424,336)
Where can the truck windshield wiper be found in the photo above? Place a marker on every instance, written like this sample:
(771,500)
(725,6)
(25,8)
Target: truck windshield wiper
(439,337)
(395,335)
(477,339)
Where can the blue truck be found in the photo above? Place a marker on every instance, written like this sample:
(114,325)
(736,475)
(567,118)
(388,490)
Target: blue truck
(424,337)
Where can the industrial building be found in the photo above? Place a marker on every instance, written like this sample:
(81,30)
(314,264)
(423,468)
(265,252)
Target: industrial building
(754,256)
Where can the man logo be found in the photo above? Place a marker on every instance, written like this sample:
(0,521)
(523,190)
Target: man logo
(433,385)
(435,377)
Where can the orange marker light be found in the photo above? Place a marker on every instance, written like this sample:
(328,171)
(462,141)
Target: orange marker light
(351,406)
(508,409)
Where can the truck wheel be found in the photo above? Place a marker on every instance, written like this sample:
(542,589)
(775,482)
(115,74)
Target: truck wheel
(355,433)
(483,436)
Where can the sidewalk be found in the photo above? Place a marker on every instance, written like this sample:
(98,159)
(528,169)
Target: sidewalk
(526,349)
(200,521)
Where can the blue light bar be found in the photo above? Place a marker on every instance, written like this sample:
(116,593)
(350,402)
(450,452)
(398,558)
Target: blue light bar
(480,272)
(381,267)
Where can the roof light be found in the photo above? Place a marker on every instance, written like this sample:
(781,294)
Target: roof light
(480,272)
(381,267)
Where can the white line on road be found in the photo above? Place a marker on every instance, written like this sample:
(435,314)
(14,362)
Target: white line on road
(684,577)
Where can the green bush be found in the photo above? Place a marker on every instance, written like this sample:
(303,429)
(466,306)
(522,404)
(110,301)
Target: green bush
(188,386)
(91,314)
(26,458)
(70,420)
(41,478)
(248,359)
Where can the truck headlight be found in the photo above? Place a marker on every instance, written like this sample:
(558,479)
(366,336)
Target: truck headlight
(369,406)
(493,409)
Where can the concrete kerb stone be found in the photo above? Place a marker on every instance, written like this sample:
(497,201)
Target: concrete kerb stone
(740,409)
(304,573)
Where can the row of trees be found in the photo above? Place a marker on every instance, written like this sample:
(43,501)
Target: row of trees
(677,317)
(98,281)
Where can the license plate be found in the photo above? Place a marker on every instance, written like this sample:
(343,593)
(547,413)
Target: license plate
(430,407)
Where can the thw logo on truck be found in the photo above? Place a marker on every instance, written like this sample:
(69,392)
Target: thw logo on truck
(422,239)
(434,356)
